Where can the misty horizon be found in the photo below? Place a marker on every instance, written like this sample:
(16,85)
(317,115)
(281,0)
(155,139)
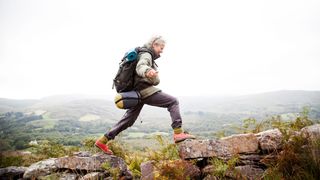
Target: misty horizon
(221,48)
(111,96)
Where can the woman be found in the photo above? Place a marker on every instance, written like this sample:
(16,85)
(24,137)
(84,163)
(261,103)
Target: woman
(146,78)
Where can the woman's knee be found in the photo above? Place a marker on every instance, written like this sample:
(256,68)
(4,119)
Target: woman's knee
(175,100)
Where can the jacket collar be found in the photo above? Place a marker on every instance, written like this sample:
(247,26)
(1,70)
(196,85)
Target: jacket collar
(151,51)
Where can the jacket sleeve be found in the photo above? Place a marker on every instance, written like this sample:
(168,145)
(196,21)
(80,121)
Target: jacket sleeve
(144,64)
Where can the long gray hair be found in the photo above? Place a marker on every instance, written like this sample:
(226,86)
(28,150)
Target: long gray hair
(155,40)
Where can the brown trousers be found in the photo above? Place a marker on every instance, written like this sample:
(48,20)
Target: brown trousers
(158,99)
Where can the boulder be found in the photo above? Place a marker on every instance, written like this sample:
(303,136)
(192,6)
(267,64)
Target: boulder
(226,147)
(60,176)
(41,168)
(93,175)
(269,159)
(270,140)
(312,132)
(91,163)
(209,173)
(242,143)
(248,172)
(82,162)
(250,159)
(190,149)
(12,172)
(147,170)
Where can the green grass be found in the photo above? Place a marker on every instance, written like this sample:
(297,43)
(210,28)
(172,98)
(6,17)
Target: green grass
(141,144)
(42,123)
(89,117)
(136,134)
(46,115)
(46,123)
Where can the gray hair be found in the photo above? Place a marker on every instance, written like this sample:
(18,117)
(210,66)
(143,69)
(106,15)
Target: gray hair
(155,40)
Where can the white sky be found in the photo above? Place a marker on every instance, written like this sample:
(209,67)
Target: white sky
(213,47)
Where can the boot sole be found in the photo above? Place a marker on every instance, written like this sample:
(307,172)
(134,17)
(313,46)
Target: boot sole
(182,139)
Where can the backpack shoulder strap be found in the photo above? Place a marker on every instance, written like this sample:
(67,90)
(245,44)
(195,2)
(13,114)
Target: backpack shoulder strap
(144,49)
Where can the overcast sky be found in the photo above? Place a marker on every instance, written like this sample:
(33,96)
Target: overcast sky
(213,47)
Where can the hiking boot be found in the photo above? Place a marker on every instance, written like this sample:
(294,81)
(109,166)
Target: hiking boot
(182,136)
(101,144)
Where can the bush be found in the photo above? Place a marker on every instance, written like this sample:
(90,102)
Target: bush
(221,167)
(134,161)
(88,145)
(166,151)
(300,156)
(10,161)
(117,148)
(299,159)
(51,149)
(16,159)
(173,170)
(113,172)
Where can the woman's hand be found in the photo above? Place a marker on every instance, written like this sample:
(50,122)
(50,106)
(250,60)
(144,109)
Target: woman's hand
(152,73)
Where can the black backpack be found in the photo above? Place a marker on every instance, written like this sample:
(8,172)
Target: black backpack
(124,80)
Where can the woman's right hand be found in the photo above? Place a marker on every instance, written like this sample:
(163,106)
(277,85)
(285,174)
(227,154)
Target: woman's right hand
(152,73)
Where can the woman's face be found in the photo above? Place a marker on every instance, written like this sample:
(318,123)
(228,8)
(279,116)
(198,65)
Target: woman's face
(158,48)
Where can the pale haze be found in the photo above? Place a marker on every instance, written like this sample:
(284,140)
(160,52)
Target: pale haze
(213,47)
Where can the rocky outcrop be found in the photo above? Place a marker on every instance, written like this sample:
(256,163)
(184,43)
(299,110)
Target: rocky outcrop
(254,152)
(249,172)
(237,144)
(225,147)
(41,168)
(12,172)
(242,143)
(93,175)
(191,149)
(90,162)
(147,170)
(312,132)
(269,140)
(246,147)
(82,165)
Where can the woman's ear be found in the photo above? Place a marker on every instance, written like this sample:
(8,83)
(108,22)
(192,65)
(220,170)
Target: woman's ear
(154,45)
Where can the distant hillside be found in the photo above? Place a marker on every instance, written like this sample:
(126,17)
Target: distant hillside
(63,107)
(76,106)
(7,105)
(265,103)
(71,118)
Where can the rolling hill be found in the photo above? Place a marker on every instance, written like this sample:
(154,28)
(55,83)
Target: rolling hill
(68,119)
